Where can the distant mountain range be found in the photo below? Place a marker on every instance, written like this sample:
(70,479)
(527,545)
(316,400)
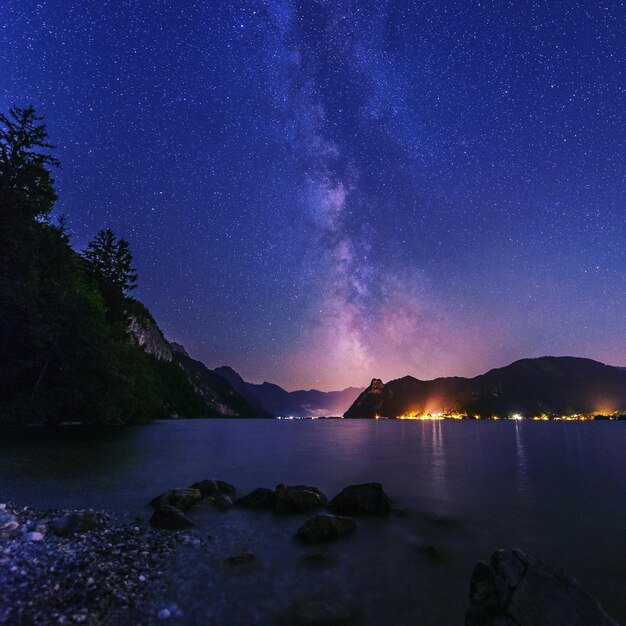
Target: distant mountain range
(271,398)
(225,393)
(552,385)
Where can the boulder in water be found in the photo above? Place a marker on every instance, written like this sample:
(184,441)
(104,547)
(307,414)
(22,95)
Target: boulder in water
(519,590)
(326,528)
(214,488)
(260,498)
(321,613)
(182,499)
(223,503)
(170,518)
(364,499)
(298,499)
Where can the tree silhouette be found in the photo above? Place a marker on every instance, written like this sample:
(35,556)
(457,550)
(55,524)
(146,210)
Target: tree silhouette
(111,261)
(26,185)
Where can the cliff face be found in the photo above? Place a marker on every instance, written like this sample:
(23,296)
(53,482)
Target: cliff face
(554,385)
(150,337)
(217,395)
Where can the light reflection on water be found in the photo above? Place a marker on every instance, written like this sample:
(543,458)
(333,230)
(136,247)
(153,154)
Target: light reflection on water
(556,490)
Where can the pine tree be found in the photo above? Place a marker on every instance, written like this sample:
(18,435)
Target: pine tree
(111,261)
(26,185)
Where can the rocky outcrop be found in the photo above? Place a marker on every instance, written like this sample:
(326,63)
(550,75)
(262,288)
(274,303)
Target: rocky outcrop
(364,499)
(519,590)
(370,402)
(150,337)
(553,385)
(326,528)
(178,348)
(182,499)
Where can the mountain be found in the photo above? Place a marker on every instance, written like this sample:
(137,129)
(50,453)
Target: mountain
(219,395)
(553,385)
(276,400)
(215,395)
(241,387)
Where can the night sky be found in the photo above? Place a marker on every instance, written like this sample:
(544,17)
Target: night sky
(321,192)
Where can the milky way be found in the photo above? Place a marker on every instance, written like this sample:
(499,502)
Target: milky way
(318,193)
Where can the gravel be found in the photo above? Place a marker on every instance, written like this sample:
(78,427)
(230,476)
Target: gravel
(110,574)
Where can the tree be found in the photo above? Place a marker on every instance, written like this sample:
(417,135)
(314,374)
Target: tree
(111,261)
(26,185)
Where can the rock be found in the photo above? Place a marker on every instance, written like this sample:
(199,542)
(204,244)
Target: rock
(214,488)
(223,503)
(8,521)
(432,552)
(519,590)
(163,614)
(298,499)
(326,528)
(182,499)
(75,522)
(260,498)
(364,499)
(226,488)
(241,559)
(206,487)
(34,536)
(321,612)
(170,518)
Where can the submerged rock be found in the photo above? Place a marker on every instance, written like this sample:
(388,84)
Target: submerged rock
(182,499)
(75,522)
(297,499)
(364,499)
(260,498)
(223,503)
(519,590)
(170,518)
(214,488)
(243,558)
(326,528)
(321,612)
(432,552)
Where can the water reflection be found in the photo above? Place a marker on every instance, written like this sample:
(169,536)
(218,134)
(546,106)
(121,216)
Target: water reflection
(521,465)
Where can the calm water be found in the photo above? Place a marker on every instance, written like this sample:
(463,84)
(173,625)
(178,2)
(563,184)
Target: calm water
(555,490)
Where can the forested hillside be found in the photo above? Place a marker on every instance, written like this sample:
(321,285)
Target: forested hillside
(66,353)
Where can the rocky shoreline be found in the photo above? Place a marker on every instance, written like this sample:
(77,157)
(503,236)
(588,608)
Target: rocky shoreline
(107,571)
(96,567)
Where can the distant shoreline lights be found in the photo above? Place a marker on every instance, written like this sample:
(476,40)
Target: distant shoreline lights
(581,417)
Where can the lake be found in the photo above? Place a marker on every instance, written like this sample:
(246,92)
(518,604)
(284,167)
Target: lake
(556,490)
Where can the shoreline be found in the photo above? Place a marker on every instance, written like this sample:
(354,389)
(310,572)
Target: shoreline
(108,572)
